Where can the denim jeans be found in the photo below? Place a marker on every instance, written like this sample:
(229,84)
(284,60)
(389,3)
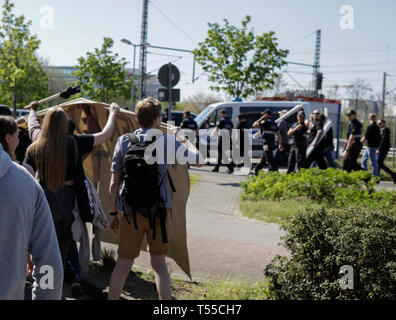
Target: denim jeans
(370,153)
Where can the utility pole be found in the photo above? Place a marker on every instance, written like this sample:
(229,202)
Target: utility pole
(316,65)
(143,51)
(383,96)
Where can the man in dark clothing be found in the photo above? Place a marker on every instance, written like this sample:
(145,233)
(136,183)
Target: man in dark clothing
(190,124)
(373,138)
(269,129)
(354,145)
(281,157)
(315,134)
(242,132)
(383,149)
(298,150)
(224,128)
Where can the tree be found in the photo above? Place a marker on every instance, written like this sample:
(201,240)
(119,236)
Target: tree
(22,76)
(239,62)
(102,74)
(197,102)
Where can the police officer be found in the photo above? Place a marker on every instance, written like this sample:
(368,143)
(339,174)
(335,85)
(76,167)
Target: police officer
(298,134)
(269,129)
(354,145)
(383,149)
(165,119)
(224,128)
(190,124)
(315,134)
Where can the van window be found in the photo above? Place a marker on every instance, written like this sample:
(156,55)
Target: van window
(215,117)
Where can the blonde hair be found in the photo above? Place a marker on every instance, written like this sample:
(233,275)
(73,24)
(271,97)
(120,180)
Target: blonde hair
(50,150)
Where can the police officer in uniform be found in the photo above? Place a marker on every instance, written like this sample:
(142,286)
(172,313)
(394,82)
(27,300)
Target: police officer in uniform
(224,128)
(298,134)
(315,134)
(354,145)
(190,124)
(269,129)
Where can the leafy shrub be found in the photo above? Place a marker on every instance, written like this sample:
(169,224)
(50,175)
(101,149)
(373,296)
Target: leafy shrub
(333,187)
(321,243)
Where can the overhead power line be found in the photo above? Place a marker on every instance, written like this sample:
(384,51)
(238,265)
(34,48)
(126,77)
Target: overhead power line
(172,22)
(294,43)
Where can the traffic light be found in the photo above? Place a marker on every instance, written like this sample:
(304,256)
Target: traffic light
(319,81)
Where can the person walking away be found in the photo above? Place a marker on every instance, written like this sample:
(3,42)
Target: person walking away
(224,129)
(314,137)
(354,145)
(55,157)
(298,152)
(281,157)
(373,138)
(268,129)
(26,226)
(135,196)
(328,145)
(383,149)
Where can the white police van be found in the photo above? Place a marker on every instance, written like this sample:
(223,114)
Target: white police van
(252,111)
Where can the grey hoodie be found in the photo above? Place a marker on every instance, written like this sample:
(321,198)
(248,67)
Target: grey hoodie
(26,226)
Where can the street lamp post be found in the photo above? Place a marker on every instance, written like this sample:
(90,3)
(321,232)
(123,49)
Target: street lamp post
(133,70)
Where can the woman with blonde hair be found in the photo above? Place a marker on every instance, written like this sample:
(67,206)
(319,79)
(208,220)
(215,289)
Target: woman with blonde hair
(55,158)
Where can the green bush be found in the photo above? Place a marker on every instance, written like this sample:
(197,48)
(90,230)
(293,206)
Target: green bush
(332,187)
(321,242)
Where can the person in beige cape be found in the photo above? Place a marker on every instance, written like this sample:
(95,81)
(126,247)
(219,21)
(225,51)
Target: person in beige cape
(131,235)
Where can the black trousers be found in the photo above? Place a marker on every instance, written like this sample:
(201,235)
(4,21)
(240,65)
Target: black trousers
(381,160)
(317,156)
(350,163)
(282,157)
(297,157)
(221,155)
(62,205)
(268,157)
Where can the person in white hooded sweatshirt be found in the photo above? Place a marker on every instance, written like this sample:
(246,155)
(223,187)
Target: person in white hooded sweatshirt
(26,226)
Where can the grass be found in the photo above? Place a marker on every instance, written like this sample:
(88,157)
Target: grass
(140,285)
(194,179)
(230,289)
(272,211)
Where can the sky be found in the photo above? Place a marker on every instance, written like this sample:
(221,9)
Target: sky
(366,50)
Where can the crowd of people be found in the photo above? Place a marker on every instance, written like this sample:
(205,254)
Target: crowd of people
(39,195)
(306,143)
(36,229)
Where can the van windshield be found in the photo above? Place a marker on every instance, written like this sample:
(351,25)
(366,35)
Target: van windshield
(203,115)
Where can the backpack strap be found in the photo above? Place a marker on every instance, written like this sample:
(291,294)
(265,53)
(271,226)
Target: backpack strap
(133,138)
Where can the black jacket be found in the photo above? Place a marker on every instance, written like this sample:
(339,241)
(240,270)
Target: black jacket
(373,135)
(385,141)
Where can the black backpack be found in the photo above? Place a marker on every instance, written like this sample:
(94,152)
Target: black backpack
(142,189)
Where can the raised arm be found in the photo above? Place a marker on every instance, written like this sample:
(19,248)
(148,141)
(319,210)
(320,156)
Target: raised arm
(108,130)
(34,127)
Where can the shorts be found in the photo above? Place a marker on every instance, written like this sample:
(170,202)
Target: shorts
(131,240)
